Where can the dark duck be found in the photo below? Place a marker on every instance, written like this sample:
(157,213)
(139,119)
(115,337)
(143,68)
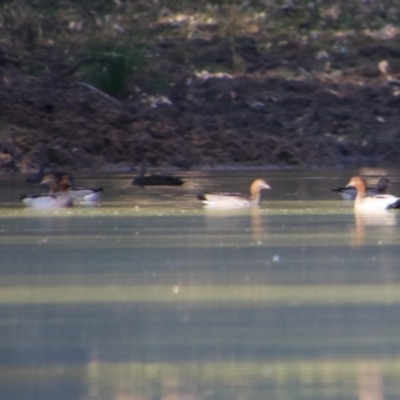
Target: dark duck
(155,180)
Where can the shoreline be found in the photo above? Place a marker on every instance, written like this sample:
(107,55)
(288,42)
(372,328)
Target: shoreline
(128,168)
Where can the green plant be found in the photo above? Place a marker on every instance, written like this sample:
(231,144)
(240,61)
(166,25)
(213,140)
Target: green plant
(110,66)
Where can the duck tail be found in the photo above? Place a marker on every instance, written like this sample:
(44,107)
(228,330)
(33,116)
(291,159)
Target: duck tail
(202,196)
(179,181)
(395,205)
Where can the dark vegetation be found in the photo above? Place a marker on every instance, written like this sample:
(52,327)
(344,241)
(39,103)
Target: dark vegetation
(184,82)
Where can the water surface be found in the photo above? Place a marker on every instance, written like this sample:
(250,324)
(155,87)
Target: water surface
(151,296)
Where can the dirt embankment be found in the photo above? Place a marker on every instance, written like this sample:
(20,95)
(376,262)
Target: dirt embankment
(264,116)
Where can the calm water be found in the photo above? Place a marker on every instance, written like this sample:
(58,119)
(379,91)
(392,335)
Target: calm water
(149,296)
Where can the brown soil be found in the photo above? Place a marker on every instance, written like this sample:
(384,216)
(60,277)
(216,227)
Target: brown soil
(286,108)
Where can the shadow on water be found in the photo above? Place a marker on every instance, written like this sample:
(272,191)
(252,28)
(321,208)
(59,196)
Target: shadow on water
(151,296)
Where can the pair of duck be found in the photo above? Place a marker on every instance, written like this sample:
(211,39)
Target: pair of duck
(350,192)
(61,194)
(366,199)
(370,199)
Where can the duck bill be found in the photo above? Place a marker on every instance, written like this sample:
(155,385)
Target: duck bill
(45,181)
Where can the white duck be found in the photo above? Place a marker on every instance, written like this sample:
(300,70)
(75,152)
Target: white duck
(58,199)
(81,194)
(379,202)
(86,196)
(235,200)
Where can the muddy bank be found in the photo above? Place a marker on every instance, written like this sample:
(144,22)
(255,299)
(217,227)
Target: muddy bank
(308,119)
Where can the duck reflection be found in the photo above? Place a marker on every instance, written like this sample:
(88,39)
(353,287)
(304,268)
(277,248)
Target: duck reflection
(236,220)
(370,382)
(256,227)
(385,220)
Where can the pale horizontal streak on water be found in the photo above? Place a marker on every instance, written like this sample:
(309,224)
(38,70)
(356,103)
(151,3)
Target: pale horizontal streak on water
(303,369)
(211,241)
(291,295)
(187,205)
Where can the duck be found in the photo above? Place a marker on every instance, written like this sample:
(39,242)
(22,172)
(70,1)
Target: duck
(235,200)
(85,195)
(81,194)
(350,193)
(377,202)
(155,180)
(57,199)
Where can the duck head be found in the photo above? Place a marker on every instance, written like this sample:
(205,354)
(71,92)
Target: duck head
(382,185)
(359,183)
(64,183)
(51,180)
(256,188)
(258,185)
(141,167)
